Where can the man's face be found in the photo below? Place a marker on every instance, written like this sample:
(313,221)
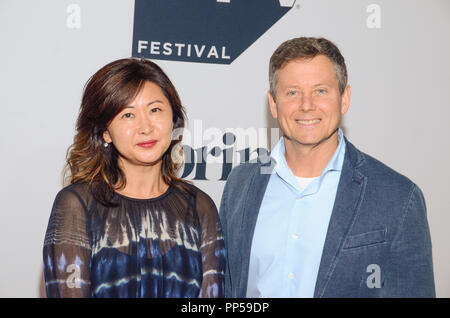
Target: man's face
(308,104)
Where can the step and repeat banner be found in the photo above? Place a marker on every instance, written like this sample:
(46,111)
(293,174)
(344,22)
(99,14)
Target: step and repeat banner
(217,53)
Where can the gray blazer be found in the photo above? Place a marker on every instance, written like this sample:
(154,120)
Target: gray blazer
(379,217)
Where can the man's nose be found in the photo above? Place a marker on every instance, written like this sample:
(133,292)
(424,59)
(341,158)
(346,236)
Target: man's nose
(306,102)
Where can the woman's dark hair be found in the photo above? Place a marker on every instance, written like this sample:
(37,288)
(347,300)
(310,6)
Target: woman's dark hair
(105,95)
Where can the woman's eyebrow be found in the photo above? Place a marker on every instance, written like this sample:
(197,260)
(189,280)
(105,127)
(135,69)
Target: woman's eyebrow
(149,103)
(155,101)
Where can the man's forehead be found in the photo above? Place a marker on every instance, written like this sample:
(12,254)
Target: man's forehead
(323,71)
(320,58)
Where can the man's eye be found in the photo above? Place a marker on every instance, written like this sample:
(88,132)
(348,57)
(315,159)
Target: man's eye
(321,91)
(292,93)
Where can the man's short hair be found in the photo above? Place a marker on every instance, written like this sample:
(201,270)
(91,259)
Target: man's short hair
(306,48)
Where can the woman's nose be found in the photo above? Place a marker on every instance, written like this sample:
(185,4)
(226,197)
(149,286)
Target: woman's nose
(145,125)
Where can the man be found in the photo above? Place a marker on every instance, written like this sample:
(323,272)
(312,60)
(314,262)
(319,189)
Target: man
(319,218)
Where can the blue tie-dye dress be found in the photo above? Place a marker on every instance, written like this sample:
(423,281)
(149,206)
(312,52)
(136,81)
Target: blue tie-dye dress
(169,246)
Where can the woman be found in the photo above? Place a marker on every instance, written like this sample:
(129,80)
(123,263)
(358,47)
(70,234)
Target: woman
(126,226)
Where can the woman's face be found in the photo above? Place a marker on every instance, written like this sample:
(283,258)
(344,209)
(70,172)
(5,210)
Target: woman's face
(142,131)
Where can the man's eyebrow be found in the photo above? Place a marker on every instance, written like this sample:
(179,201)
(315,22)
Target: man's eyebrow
(321,84)
(296,86)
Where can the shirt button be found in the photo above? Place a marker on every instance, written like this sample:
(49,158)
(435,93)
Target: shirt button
(295,236)
(290,275)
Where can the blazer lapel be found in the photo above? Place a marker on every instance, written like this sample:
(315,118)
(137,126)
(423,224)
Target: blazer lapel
(348,197)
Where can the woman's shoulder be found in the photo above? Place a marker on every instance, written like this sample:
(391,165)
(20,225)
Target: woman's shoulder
(78,188)
(78,193)
(191,189)
(203,201)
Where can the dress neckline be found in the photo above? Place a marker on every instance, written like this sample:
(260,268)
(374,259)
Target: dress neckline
(160,197)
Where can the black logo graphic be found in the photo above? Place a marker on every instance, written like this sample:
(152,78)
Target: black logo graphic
(205,31)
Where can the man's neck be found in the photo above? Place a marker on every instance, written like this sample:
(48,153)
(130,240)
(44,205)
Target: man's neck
(143,182)
(309,161)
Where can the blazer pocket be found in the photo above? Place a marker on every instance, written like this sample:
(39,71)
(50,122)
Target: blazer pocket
(365,239)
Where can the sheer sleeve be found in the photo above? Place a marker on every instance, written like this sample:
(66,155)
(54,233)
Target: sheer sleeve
(66,248)
(212,248)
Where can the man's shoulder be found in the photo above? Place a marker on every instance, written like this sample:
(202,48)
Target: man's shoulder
(247,169)
(251,174)
(379,172)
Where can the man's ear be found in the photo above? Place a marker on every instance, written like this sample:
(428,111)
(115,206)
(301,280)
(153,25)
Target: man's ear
(107,136)
(272,105)
(345,99)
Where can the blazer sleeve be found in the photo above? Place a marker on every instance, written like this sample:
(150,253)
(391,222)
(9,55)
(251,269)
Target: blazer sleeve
(411,265)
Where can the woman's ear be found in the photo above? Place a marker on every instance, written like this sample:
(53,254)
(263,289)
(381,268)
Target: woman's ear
(107,136)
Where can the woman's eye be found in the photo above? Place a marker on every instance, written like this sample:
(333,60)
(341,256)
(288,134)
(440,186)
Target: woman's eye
(127,115)
(156,109)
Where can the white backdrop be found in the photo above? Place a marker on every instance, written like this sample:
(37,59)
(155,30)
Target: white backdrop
(399,70)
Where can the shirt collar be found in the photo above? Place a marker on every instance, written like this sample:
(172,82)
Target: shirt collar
(335,163)
(283,170)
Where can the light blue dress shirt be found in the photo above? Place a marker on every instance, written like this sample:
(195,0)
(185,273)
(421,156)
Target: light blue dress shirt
(291,228)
